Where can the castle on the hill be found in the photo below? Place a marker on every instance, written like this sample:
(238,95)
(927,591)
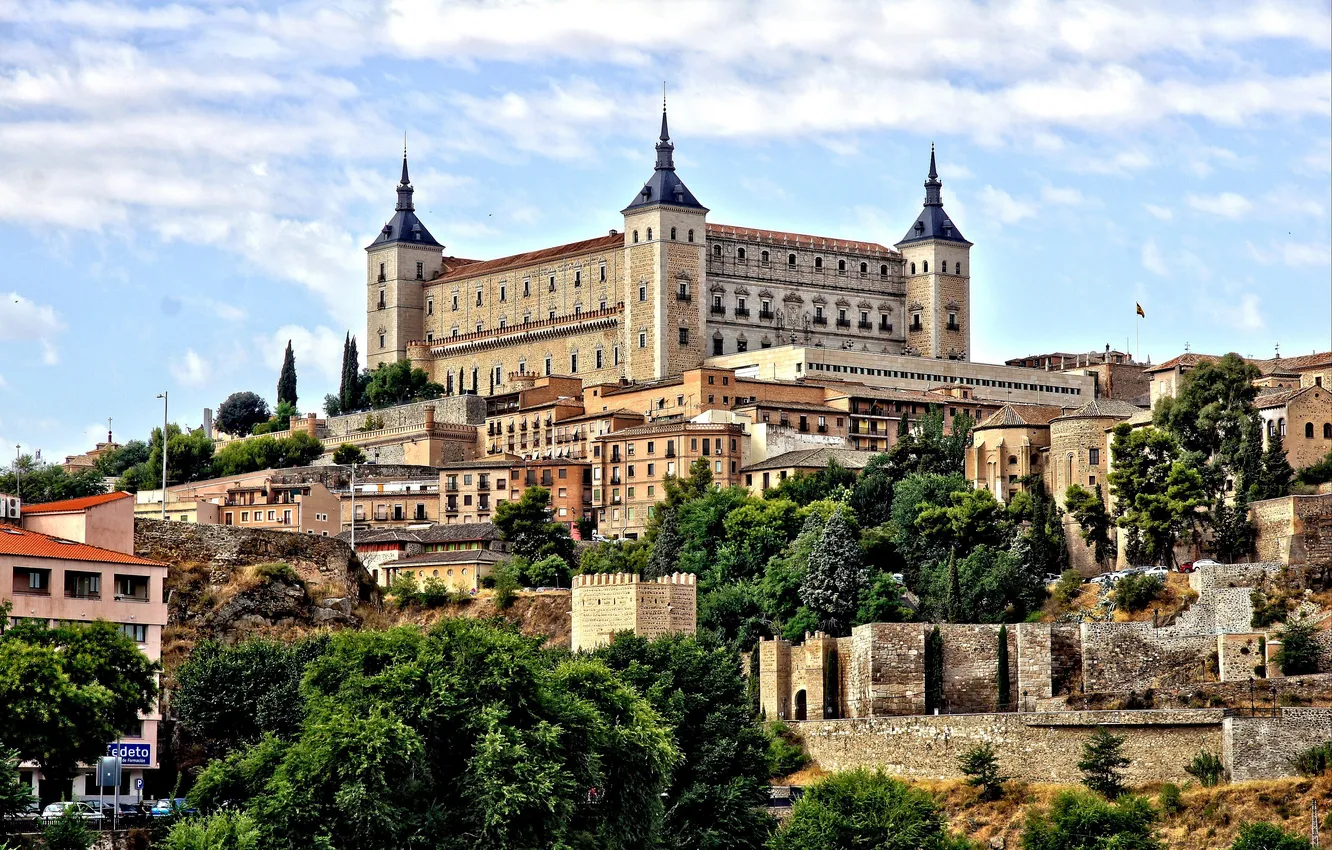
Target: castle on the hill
(658,298)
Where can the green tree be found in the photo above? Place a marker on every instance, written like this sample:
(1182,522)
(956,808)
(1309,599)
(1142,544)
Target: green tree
(348,454)
(933,670)
(1266,836)
(399,383)
(1207,414)
(1080,821)
(913,495)
(835,576)
(114,463)
(805,487)
(1002,673)
(351,391)
(859,809)
(225,830)
(980,764)
(715,796)
(67,832)
(1317,473)
(1103,762)
(16,796)
(1136,592)
(1233,535)
(67,691)
(550,570)
(1088,508)
(785,752)
(240,412)
(265,452)
(614,556)
(1277,474)
(1300,652)
(286,386)
(189,458)
(232,695)
(528,526)
(38,482)
(779,589)
(1207,768)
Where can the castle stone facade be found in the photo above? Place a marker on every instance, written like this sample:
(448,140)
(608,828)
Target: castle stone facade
(606,603)
(655,299)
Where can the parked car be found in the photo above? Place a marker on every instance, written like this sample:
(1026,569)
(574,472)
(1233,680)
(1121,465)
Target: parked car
(31,811)
(1159,572)
(1052,578)
(56,810)
(1104,579)
(170,806)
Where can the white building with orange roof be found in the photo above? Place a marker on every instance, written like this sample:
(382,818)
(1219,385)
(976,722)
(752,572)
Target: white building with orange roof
(73,562)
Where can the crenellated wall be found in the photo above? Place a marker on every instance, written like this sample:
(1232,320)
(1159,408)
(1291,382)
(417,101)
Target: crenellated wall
(606,603)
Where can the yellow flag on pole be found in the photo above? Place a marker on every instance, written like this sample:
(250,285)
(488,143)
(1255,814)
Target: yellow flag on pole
(1140,312)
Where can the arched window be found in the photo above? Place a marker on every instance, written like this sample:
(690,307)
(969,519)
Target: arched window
(841,266)
(672,234)
(913,265)
(691,236)
(957,268)
(649,234)
(1308,430)
(864,268)
(790,260)
(1281,427)
(635,235)
(1327,430)
(924,264)
(818,262)
(716,250)
(1012,460)
(739,253)
(883,271)
(763,258)
(1271,427)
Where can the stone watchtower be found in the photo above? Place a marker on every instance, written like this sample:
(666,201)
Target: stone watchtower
(403,257)
(937,262)
(665,236)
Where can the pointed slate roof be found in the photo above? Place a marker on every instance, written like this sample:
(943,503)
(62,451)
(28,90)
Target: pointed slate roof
(1104,408)
(404,226)
(664,186)
(933,222)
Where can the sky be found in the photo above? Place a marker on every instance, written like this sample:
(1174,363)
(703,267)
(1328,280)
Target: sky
(186,186)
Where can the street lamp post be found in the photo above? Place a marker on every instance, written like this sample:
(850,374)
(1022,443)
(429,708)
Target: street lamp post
(352,467)
(18,471)
(163,396)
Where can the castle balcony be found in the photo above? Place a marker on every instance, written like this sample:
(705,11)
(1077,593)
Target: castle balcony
(528,333)
(742,312)
(843,323)
(885,327)
(717,310)
(865,326)
(953,326)
(766,315)
(820,320)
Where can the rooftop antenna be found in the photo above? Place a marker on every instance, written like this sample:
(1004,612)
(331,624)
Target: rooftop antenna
(1186,347)
(1278,351)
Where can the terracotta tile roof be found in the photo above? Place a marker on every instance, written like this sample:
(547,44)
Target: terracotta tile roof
(1186,361)
(587,246)
(457,556)
(1104,408)
(1021,415)
(75,504)
(1306,361)
(676,427)
(20,542)
(465,531)
(1278,398)
(798,240)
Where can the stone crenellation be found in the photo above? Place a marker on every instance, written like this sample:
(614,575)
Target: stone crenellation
(607,603)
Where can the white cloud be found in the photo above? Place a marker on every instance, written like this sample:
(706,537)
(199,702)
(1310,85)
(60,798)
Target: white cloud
(318,355)
(1243,313)
(1002,207)
(191,370)
(23,320)
(1065,197)
(1152,260)
(1292,253)
(1226,204)
(1158,212)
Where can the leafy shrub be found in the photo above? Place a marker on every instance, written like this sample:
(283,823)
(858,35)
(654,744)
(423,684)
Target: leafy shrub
(1314,761)
(1207,768)
(1080,821)
(278,572)
(225,830)
(785,752)
(1169,798)
(1265,836)
(434,593)
(1103,762)
(404,589)
(1267,610)
(1299,651)
(348,454)
(1135,592)
(1068,587)
(67,832)
(863,809)
(980,765)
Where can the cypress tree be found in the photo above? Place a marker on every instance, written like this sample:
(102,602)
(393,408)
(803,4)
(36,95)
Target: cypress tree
(342,385)
(954,590)
(286,388)
(902,427)
(353,400)
(1276,473)
(1004,695)
(933,671)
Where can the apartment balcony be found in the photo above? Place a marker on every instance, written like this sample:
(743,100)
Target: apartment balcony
(865,326)
(916,327)
(682,296)
(767,315)
(843,323)
(717,310)
(823,429)
(451,508)
(821,320)
(451,486)
(885,327)
(742,312)
(953,326)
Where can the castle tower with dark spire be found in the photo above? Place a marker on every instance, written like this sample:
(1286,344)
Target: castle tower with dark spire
(399,263)
(665,237)
(936,261)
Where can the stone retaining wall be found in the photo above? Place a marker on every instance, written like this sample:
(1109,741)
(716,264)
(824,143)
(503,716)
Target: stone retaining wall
(1261,747)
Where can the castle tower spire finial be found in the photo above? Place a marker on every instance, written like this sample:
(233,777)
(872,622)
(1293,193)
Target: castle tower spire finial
(933,194)
(665,150)
(405,184)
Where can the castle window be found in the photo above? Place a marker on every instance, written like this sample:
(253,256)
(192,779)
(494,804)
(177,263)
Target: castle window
(504,292)
(615,355)
(381,273)
(1308,430)
(716,250)
(1281,427)
(716,302)
(952,321)
(915,321)
(455,330)
(925,266)
(603,304)
(578,277)
(478,327)
(527,286)
(522,366)
(672,234)
(740,254)
(499,375)
(883,270)
(913,268)
(455,301)
(649,234)
(504,321)
(763,257)
(717,343)
(740,345)
(818,311)
(635,236)
(478,298)
(841,266)
(1094,457)
(381,340)
(420,271)
(683,294)
(790,260)
(603,272)
(957,268)
(642,339)
(547,364)
(684,336)
(599,358)
(818,263)
(864,269)
(642,292)
(1327,430)
(691,236)
(430,306)
(430,336)
(551,316)
(382,305)
(573,363)
(578,309)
